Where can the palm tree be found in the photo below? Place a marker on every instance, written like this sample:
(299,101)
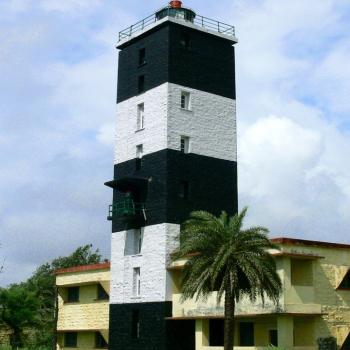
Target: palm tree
(230,260)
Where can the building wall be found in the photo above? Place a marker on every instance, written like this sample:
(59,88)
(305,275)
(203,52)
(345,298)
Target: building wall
(155,280)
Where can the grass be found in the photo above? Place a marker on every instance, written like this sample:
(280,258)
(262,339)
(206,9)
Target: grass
(7,347)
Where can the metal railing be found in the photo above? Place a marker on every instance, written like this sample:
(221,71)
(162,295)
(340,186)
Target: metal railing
(201,21)
(127,208)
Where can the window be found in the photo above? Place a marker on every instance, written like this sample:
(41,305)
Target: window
(185,41)
(135,324)
(141,84)
(100,342)
(216,332)
(71,340)
(73,295)
(136,282)
(273,337)
(101,293)
(246,334)
(139,155)
(142,57)
(184,192)
(345,283)
(185,100)
(140,116)
(137,241)
(185,144)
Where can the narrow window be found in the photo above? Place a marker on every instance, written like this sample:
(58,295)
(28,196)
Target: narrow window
(185,144)
(142,57)
(136,282)
(184,189)
(216,332)
(246,334)
(71,340)
(140,116)
(185,100)
(137,241)
(273,336)
(73,295)
(185,41)
(135,324)
(141,84)
(101,293)
(100,342)
(139,155)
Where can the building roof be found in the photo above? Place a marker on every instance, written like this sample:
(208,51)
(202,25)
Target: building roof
(83,268)
(296,241)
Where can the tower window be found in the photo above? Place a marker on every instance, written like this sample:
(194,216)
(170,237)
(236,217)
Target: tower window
(101,293)
(185,41)
(142,57)
(185,144)
(73,295)
(139,155)
(140,116)
(136,282)
(184,191)
(185,100)
(71,340)
(137,241)
(135,324)
(141,84)
(100,342)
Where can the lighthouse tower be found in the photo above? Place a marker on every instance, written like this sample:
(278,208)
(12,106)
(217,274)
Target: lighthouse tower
(175,153)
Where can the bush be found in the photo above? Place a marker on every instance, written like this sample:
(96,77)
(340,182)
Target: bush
(329,343)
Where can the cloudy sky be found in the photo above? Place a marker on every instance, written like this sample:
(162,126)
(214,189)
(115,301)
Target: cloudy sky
(58,69)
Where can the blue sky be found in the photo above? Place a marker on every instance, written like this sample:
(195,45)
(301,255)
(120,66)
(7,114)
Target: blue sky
(58,68)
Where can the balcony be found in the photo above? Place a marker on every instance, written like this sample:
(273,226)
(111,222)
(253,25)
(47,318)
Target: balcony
(183,14)
(127,209)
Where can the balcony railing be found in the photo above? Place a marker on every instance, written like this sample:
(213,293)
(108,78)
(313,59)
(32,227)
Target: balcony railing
(198,20)
(126,209)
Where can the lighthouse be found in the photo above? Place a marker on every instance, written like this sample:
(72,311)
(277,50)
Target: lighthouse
(175,152)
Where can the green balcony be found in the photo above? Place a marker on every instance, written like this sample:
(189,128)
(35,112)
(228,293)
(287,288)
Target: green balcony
(127,209)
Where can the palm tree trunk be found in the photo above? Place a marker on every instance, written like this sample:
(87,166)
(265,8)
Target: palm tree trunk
(229,320)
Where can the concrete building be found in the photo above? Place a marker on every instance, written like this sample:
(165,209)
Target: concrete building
(315,302)
(83,307)
(175,153)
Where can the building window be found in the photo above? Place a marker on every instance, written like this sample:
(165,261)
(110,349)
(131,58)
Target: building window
(185,41)
(100,342)
(184,191)
(185,100)
(139,155)
(246,334)
(135,324)
(140,116)
(137,282)
(141,84)
(142,57)
(137,241)
(71,340)
(185,144)
(101,293)
(345,283)
(273,337)
(73,295)
(216,332)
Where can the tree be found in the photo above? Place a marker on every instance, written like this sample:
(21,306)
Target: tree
(18,309)
(40,291)
(42,283)
(224,257)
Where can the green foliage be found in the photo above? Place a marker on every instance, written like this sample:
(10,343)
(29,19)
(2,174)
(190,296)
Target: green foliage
(224,257)
(40,289)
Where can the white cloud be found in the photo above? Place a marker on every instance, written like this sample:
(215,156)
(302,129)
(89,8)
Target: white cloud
(70,5)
